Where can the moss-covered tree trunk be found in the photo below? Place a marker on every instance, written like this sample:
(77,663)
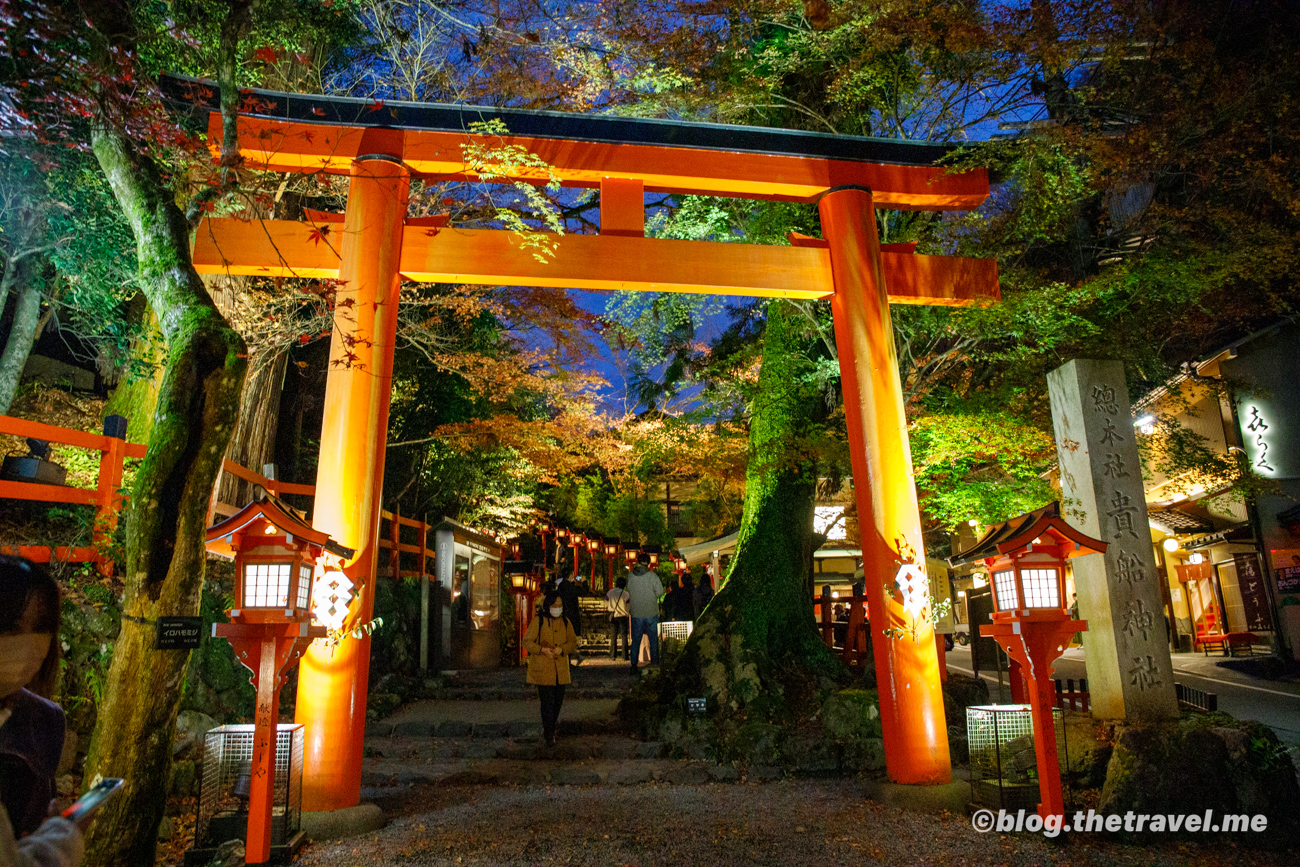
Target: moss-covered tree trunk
(22,333)
(136,395)
(758,633)
(196,410)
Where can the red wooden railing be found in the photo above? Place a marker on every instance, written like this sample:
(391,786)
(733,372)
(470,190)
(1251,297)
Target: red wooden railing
(275,486)
(105,496)
(392,540)
(1069,698)
(855,649)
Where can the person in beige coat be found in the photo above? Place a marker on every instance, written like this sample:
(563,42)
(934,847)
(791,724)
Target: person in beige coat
(549,641)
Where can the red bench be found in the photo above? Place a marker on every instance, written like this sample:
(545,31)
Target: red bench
(1228,642)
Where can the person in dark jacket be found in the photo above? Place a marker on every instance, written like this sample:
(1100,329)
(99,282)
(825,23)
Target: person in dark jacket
(703,593)
(31,726)
(570,590)
(669,603)
(684,600)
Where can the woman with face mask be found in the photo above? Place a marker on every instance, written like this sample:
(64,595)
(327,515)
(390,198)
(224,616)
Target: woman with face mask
(549,641)
(31,727)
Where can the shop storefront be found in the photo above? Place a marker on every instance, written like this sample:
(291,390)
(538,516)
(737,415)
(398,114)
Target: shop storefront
(1230,564)
(468,571)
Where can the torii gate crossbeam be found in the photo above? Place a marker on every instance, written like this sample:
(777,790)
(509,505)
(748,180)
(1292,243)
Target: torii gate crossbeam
(374,246)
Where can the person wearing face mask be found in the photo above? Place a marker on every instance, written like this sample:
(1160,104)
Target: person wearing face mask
(31,727)
(549,641)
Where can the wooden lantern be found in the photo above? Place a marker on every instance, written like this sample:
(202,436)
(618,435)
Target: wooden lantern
(578,541)
(611,554)
(523,585)
(275,552)
(1026,558)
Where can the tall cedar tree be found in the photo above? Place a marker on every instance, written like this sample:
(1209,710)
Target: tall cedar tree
(757,639)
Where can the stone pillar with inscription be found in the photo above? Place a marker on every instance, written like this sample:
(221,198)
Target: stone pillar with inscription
(1130,675)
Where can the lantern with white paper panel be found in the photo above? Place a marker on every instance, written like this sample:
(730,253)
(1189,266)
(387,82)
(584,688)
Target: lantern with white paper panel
(276,553)
(1026,558)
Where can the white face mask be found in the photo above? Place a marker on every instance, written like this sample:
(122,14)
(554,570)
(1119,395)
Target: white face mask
(21,656)
(556,612)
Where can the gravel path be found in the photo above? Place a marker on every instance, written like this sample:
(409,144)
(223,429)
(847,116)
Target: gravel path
(820,823)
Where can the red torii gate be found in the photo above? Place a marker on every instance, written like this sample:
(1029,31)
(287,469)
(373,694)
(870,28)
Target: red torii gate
(381,146)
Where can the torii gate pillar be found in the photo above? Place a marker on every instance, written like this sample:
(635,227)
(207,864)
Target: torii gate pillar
(907,665)
(332,681)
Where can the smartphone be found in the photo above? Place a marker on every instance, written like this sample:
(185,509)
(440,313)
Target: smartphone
(85,807)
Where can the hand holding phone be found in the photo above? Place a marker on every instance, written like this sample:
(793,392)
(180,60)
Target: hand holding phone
(83,810)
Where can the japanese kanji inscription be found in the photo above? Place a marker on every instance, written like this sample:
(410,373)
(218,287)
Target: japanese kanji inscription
(1126,646)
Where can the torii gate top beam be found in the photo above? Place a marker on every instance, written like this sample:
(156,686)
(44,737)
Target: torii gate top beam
(306,133)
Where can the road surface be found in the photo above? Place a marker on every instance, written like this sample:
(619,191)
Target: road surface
(1274,703)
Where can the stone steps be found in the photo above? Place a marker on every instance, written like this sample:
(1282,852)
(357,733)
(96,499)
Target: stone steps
(397,762)
(420,729)
(570,748)
(470,693)
(378,782)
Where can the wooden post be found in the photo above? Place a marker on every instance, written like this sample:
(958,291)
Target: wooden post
(1016,680)
(423,527)
(395,539)
(941,650)
(889,521)
(827,626)
(107,500)
(261,789)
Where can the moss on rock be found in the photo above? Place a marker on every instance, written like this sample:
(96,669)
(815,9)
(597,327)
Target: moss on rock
(1205,762)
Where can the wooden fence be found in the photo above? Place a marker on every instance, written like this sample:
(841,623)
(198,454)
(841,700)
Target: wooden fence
(1069,698)
(107,495)
(1196,699)
(391,538)
(850,639)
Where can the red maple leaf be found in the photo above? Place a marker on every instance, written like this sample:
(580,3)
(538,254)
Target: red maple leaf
(266,54)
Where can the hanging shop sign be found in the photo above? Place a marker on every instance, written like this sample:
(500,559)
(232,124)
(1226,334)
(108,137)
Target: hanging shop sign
(1254,597)
(1286,565)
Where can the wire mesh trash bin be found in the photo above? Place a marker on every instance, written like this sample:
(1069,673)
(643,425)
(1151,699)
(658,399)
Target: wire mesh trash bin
(224,781)
(1003,765)
(673,635)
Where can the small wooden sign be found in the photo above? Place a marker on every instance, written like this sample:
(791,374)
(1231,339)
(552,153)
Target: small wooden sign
(179,633)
